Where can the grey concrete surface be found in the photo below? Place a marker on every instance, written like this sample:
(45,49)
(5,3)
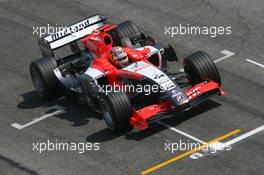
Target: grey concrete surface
(241,108)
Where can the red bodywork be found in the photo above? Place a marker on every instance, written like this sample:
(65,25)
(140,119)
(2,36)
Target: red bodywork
(140,117)
(100,43)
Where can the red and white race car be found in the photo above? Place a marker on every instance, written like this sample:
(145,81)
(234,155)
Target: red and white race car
(137,94)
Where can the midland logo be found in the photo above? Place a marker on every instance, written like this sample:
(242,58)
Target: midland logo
(70,30)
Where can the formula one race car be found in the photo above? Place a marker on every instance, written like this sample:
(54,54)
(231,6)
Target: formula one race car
(89,73)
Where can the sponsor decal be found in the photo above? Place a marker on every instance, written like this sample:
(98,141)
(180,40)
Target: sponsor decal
(158,76)
(195,92)
(164,81)
(70,30)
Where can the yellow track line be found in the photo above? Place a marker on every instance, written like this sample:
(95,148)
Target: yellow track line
(188,152)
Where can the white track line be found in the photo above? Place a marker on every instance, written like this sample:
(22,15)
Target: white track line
(221,146)
(227,54)
(59,109)
(244,136)
(213,146)
(258,130)
(254,62)
(181,132)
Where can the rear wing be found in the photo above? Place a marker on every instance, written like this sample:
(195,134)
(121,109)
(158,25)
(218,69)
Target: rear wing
(70,34)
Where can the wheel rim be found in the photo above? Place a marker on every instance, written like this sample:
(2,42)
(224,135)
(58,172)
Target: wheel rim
(107,115)
(37,82)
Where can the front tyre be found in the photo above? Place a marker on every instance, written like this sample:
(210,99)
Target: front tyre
(43,77)
(117,111)
(200,66)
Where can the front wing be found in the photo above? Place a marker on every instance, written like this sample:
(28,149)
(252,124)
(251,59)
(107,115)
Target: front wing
(143,117)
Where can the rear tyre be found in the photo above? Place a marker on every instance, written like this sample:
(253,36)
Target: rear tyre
(127,29)
(117,111)
(200,67)
(43,77)
(124,30)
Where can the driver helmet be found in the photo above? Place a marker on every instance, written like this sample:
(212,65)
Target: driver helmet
(118,56)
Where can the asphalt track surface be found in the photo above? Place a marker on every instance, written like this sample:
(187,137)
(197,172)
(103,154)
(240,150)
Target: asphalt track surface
(135,152)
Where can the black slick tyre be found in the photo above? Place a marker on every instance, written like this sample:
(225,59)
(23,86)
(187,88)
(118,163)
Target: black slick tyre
(43,77)
(117,111)
(200,66)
